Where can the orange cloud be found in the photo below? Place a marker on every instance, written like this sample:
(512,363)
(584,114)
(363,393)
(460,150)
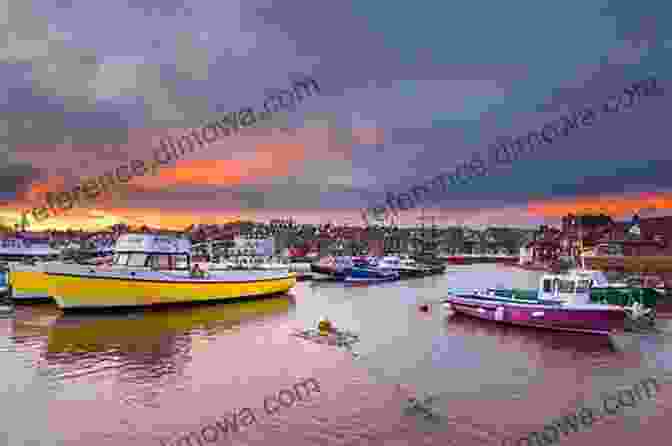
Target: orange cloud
(263,153)
(38,189)
(269,160)
(612,205)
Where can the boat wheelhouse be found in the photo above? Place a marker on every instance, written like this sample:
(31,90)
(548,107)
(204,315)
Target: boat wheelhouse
(593,286)
(554,286)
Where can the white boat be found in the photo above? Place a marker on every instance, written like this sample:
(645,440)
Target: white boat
(20,247)
(404,265)
(244,263)
(273,264)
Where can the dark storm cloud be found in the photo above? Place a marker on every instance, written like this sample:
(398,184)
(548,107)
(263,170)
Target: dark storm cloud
(16,177)
(245,46)
(34,119)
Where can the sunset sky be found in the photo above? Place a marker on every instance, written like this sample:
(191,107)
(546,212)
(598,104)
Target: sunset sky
(407,91)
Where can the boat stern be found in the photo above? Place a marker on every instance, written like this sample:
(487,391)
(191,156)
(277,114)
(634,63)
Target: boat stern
(28,282)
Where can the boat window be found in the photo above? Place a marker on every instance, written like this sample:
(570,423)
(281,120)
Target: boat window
(160,261)
(137,259)
(180,261)
(556,285)
(547,286)
(566,286)
(121,259)
(582,286)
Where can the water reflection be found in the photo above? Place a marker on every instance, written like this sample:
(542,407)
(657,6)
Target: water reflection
(152,334)
(542,348)
(149,348)
(27,330)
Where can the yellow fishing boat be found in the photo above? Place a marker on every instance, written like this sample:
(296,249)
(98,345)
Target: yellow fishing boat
(152,270)
(27,281)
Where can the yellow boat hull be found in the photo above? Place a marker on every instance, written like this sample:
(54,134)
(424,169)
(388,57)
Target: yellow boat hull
(91,292)
(28,282)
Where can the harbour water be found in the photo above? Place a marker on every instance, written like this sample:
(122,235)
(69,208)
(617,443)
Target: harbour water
(152,377)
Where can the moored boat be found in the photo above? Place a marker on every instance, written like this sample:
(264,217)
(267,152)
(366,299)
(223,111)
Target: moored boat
(4,285)
(152,270)
(371,274)
(333,267)
(404,266)
(562,304)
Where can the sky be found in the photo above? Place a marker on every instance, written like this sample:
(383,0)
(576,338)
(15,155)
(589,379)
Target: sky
(407,92)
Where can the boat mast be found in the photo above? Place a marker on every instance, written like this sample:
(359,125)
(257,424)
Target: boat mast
(424,242)
(583,261)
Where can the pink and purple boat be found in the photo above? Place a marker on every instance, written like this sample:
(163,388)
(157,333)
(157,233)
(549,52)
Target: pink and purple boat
(562,303)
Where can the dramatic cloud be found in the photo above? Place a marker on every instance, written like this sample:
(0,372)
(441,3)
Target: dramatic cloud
(405,96)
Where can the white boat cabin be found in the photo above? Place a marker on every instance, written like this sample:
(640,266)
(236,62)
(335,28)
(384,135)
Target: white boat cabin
(572,287)
(157,252)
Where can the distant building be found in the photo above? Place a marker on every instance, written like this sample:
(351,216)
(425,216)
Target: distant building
(244,246)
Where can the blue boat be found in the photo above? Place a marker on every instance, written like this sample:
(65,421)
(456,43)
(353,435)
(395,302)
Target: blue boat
(4,286)
(370,274)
